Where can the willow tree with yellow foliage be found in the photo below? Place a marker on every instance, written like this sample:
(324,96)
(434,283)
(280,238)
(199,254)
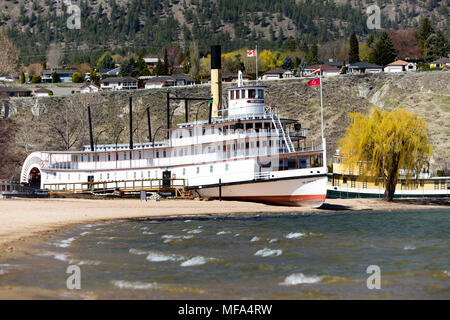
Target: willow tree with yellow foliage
(383,143)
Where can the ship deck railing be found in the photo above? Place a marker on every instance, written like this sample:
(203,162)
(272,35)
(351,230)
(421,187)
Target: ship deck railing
(150,185)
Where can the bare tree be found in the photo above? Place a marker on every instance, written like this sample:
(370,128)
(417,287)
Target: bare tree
(34,69)
(67,122)
(9,55)
(54,55)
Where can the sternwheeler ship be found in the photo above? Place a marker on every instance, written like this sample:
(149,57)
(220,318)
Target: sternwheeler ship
(244,151)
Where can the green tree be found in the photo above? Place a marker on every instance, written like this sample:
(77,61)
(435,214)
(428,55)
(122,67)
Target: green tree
(384,51)
(436,47)
(54,77)
(165,65)
(36,79)
(128,68)
(106,62)
(77,77)
(424,31)
(353,55)
(313,55)
(383,143)
(288,64)
(22,77)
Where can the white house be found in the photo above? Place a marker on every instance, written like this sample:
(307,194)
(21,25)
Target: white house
(159,82)
(274,74)
(325,70)
(89,88)
(42,92)
(400,66)
(114,84)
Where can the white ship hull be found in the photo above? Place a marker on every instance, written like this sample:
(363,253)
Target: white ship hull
(295,191)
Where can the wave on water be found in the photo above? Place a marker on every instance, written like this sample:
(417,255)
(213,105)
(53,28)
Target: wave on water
(273,240)
(223,232)
(148,232)
(255,239)
(84,233)
(266,252)
(188,237)
(133,285)
(409,248)
(237,235)
(137,252)
(446,272)
(196,261)
(161,257)
(65,243)
(294,235)
(195,231)
(300,278)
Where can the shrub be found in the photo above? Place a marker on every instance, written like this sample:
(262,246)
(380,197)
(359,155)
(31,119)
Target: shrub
(54,77)
(77,77)
(36,79)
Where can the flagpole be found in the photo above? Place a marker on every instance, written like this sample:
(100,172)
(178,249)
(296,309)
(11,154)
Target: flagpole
(256,62)
(321,101)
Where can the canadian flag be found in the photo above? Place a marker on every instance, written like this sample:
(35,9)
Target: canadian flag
(314,83)
(251,53)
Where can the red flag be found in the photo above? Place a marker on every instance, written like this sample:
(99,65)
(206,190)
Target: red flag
(314,83)
(251,53)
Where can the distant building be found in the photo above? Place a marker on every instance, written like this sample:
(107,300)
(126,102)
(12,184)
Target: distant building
(440,63)
(168,81)
(274,74)
(64,76)
(233,77)
(159,82)
(109,72)
(151,62)
(114,84)
(400,66)
(364,67)
(336,64)
(89,88)
(325,70)
(42,92)
(14,92)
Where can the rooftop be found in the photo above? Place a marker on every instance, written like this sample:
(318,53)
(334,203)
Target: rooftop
(119,79)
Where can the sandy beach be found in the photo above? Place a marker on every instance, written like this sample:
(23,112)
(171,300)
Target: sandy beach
(22,219)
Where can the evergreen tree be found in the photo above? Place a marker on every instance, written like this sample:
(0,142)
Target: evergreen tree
(128,68)
(436,47)
(22,77)
(288,64)
(106,63)
(425,30)
(370,40)
(165,65)
(384,51)
(353,55)
(313,55)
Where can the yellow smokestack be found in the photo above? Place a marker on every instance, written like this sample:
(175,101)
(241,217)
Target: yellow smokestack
(216,80)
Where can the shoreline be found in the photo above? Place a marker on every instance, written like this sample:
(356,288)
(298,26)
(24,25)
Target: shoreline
(28,221)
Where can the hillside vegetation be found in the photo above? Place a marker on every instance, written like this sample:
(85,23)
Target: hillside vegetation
(58,123)
(134,25)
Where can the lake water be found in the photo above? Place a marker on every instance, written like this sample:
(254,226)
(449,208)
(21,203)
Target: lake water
(292,256)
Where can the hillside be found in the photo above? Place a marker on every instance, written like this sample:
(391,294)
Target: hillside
(134,25)
(427,94)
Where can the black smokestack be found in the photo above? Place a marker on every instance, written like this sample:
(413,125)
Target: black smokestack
(149,125)
(91,138)
(216,60)
(131,123)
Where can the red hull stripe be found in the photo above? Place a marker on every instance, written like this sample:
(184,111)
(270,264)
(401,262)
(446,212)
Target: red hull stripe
(285,200)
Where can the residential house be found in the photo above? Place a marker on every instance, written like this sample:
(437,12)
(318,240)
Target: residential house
(42,92)
(14,92)
(109,72)
(151,62)
(123,83)
(364,67)
(325,70)
(337,64)
(183,80)
(233,77)
(159,82)
(89,88)
(275,74)
(440,63)
(400,66)
(64,76)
